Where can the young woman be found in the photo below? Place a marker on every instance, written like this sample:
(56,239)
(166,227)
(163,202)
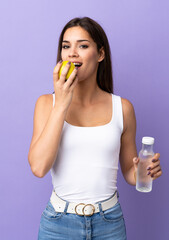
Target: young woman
(80,132)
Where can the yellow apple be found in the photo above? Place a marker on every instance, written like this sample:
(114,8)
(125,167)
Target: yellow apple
(72,66)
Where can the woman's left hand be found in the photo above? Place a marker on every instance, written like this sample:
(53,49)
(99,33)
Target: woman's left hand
(154,169)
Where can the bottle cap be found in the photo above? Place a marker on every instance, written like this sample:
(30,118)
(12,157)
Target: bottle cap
(148,140)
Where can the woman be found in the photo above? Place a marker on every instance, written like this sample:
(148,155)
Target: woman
(80,132)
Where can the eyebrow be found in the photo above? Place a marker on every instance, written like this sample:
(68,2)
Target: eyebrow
(82,40)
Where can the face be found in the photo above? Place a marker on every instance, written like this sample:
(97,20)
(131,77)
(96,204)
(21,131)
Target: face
(79,48)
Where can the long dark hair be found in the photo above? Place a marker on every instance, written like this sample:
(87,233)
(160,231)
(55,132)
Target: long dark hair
(104,72)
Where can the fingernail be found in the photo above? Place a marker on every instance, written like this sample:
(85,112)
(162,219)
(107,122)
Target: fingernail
(148,168)
(153,160)
(148,173)
(76,68)
(69,63)
(60,61)
(152,175)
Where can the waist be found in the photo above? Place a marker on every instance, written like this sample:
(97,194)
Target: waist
(84,195)
(82,209)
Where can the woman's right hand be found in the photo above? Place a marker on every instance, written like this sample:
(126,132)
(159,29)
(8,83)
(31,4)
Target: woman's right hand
(64,89)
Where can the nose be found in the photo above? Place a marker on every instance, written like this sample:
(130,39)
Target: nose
(73,52)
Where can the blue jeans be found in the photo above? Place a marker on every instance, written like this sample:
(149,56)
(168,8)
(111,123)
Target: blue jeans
(104,225)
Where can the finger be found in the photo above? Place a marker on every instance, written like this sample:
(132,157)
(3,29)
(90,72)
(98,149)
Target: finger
(56,71)
(135,161)
(154,171)
(64,72)
(72,77)
(156,157)
(156,175)
(74,84)
(153,165)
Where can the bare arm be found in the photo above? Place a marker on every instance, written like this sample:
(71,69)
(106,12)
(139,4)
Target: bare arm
(128,152)
(48,122)
(128,146)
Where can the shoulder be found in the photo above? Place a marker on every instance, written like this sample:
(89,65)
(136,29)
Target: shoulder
(44,103)
(44,100)
(128,113)
(127,106)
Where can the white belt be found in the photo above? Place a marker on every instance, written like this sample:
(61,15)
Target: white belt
(81,208)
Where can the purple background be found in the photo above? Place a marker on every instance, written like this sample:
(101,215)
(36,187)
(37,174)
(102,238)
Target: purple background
(138,32)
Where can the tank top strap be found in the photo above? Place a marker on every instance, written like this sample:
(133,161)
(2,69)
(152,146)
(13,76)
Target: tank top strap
(53,99)
(118,111)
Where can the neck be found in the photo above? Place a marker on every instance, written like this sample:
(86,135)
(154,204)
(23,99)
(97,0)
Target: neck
(86,93)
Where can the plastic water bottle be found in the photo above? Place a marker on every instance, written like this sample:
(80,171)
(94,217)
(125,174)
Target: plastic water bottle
(144,181)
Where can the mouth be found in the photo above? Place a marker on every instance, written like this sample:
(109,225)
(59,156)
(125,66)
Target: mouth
(77,64)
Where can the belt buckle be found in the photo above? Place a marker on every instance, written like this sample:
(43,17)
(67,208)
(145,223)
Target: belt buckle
(83,209)
(93,209)
(76,209)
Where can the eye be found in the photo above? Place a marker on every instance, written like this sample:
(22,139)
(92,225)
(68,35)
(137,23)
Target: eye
(65,46)
(83,46)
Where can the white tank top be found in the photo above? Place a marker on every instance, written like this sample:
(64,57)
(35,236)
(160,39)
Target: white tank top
(85,169)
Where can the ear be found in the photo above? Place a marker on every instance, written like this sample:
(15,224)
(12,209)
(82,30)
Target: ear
(101,54)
